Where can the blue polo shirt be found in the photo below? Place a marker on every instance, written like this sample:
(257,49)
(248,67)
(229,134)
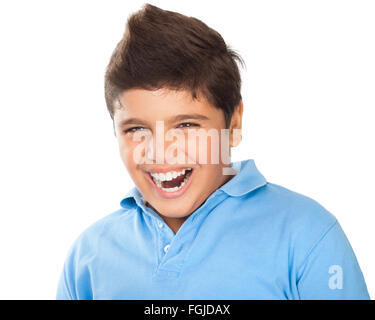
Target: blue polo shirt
(250,239)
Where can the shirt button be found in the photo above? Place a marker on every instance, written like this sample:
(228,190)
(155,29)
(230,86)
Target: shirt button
(166,248)
(160,224)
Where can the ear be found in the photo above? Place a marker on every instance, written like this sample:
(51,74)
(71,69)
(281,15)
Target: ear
(236,126)
(114,128)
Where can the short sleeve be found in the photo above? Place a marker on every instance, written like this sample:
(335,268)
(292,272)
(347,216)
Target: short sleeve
(331,271)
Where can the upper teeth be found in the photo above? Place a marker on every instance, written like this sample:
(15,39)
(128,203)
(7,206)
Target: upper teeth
(168,175)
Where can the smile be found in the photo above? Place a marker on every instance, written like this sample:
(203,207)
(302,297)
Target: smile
(171,184)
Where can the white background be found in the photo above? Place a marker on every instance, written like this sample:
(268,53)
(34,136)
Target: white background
(308,93)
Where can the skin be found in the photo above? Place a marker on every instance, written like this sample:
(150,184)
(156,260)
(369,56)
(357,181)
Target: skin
(164,104)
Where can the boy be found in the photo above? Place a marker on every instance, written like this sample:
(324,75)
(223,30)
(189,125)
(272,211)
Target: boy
(197,226)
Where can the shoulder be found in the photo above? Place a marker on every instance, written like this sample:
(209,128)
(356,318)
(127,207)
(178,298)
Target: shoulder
(304,221)
(88,240)
(75,280)
(289,206)
(296,218)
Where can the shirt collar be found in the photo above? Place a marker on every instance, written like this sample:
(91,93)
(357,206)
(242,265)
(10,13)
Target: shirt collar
(247,179)
(133,196)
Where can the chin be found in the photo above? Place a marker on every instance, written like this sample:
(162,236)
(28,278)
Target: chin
(173,211)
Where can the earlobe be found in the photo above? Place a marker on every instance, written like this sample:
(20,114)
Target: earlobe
(236,137)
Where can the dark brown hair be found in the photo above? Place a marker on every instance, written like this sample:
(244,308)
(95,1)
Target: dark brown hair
(165,49)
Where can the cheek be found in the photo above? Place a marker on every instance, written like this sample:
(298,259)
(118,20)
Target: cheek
(205,149)
(126,149)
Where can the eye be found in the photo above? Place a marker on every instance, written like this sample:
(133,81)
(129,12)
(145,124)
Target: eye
(133,129)
(187,125)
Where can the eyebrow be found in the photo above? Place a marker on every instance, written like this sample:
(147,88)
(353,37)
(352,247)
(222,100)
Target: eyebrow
(180,117)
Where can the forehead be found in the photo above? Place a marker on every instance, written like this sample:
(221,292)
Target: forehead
(161,103)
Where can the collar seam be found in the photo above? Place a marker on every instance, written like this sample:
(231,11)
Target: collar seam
(247,191)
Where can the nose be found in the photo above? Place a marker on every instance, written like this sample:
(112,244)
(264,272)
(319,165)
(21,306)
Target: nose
(165,147)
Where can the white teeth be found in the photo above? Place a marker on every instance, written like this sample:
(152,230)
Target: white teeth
(160,177)
(168,176)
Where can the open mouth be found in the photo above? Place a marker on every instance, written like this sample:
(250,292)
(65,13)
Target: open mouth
(172,181)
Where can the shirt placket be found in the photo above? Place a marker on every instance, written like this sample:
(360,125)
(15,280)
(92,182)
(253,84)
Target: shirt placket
(173,248)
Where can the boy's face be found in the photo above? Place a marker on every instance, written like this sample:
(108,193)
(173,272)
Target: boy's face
(172,189)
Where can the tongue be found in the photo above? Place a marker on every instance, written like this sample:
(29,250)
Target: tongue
(174,182)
